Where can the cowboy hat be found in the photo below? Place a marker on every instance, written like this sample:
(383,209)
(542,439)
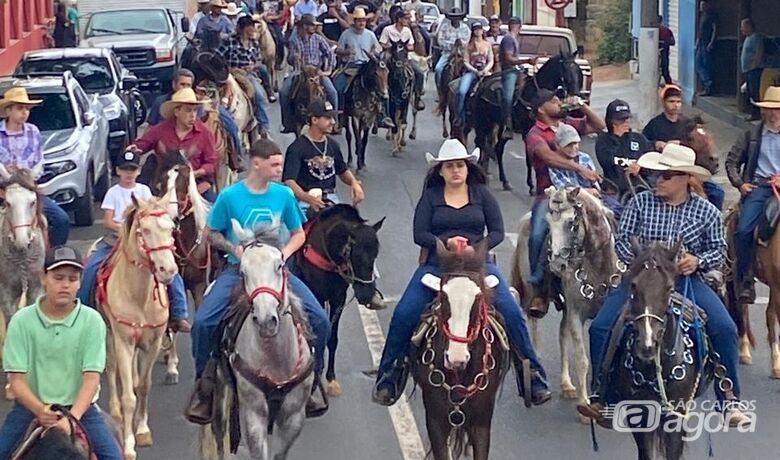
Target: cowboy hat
(455,12)
(16,95)
(452,149)
(211,66)
(771,98)
(308,20)
(219,3)
(674,158)
(183,96)
(359,13)
(232,9)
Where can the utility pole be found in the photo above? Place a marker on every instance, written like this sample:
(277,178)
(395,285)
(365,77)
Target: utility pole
(648,61)
(475,7)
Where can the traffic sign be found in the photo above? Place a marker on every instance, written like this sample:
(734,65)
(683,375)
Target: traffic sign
(557,4)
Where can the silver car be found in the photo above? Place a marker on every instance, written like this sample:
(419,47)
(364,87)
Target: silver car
(75,135)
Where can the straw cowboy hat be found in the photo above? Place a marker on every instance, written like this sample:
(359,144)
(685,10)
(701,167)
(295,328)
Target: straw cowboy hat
(232,10)
(674,158)
(184,96)
(452,149)
(219,3)
(771,98)
(16,95)
(359,13)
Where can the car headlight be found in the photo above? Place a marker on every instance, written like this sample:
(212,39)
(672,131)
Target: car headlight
(52,170)
(164,54)
(57,153)
(112,111)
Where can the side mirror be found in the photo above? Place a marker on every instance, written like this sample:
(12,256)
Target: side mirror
(185,25)
(580,51)
(129,82)
(88,118)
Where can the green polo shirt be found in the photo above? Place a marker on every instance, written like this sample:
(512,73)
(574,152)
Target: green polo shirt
(55,353)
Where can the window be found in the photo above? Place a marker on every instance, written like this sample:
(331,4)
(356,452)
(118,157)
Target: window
(93,73)
(544,45)
(127,22)
(55,113)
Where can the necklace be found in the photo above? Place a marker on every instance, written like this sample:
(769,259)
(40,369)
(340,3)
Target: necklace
(320,167)
(322,151)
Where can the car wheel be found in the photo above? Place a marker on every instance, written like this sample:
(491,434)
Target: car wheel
(101,188)
(82,212)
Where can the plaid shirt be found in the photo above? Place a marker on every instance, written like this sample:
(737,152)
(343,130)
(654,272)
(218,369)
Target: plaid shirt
(237,56)
(448,35)
(564,178)
(313,51)
(651,219)
(23,149)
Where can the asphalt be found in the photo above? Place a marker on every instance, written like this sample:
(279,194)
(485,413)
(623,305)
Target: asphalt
(355,428)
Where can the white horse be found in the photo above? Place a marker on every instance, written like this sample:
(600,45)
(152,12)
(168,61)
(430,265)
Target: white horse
(270,355)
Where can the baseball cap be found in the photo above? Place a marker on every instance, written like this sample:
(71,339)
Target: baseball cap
(542,96)
(61,256)
(618,110)
(129,160)
(565,135)
(322,109)
(494,18)
(515,20)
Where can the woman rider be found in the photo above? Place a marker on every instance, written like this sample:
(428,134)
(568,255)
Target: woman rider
(478,62)
(456,206)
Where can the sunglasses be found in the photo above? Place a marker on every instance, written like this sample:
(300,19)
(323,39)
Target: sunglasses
(668,175)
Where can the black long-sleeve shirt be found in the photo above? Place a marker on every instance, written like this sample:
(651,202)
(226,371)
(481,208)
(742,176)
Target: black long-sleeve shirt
(630,145)
(434,218)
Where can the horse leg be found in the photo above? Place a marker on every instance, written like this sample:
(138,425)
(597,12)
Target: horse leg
(535,333)
(334,388)
(254,422)
(500,160)
(348,137)
(146,361)
(568,390)
(529,173)
(771,326)
(644,445)
(290,422)
(125,364)
(413,132)
(172,363)
(363,130)
(674,445)
(114,407)
(479,437)
(581,363)
(444,133)
(439,435)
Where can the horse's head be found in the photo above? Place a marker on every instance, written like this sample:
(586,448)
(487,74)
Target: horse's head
(398,53)
(148,228)
(363,252)
(22,206)
(700,139)
(376,70)
(562,74)
(652,275)
(264,274)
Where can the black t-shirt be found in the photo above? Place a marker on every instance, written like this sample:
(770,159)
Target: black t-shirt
(706,25)
(305,163)
(630,145)
(331,27)
(661,129)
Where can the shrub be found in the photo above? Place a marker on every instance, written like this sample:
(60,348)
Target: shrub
(615,45)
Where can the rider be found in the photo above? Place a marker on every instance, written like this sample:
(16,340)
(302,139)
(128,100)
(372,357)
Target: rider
(510,71)
(258,199)
(21,147)
(273,15)
(752,165)
(672,213)
(118,198)
(494,34)
(304,7)
(478,62)
(540,145)
(203,11)
(399,31)
(215,21)
(242,51)
(334,20)
(182,131)
(54,353)
(456,208)
(451,31)
(354,47)
(307,48)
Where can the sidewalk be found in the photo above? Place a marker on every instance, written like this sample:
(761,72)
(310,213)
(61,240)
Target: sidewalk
(628,90)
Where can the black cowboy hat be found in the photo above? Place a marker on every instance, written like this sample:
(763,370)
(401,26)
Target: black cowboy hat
(308,20)
(212,66)
(455,12)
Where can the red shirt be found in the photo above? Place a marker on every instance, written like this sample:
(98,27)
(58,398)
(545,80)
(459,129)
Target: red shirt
(539,135)
(198,145)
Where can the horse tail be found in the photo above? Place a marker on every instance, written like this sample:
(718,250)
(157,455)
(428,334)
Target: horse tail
(460,441)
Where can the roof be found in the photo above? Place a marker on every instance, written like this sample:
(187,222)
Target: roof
(32,84)
(130,8)
(549,30)
(64,53)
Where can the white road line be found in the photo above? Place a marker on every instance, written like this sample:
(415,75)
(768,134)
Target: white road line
(517,155)
(401,414)
(512,237)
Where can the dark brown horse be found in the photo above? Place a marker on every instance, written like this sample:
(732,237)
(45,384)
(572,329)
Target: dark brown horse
(363,100)
(305,90)
(460,362)
(452,71)
(401,88)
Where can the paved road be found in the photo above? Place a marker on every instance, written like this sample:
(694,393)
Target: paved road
(355,428)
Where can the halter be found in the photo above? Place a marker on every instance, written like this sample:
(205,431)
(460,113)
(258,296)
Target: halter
(279,294)
(475,328)
(149,250)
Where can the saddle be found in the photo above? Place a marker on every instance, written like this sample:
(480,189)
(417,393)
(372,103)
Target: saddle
(35,433)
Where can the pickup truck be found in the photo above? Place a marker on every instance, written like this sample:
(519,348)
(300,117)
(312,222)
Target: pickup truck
(146,41)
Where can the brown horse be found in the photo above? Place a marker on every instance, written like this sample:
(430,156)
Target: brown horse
(228,155)
(452,71)
(268,49)
(364,99)
(460,362)
(700,140)
(306,89)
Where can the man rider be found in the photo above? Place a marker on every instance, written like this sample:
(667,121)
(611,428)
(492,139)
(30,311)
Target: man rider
(451,30)
(335,20)
(751,166)
(215,21)
(399,31)
(510,62)
(540,145)
(494,33)
(668,214)
(257,200)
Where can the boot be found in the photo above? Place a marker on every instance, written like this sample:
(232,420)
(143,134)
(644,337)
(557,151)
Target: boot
(532,387)
(180,325)
(539,304)
(390,385)
(747,290)
(595,410)
(317,404)
(736,418)
(377,302)
(508,132)
(200,409)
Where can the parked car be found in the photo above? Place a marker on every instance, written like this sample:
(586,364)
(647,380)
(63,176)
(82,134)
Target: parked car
(147,41)
(429,13)
(75,135)
(98,72)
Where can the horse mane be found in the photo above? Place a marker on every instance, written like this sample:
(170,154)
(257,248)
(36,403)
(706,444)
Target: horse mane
(200,206)
(461,262)
(345,211)
(54,445)
(599,219)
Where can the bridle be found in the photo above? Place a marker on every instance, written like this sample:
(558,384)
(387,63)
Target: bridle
(34,221)
(149,250)
(474,328)
(279,294)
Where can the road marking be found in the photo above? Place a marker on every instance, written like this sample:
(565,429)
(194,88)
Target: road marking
(512,237)
(401,413)
(517,155)
(761,301)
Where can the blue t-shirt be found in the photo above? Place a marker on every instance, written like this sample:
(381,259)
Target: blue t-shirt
(750,48)
(251,209)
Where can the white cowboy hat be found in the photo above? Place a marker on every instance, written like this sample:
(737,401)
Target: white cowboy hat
(771,98)
(232,9)
(219,3)
(183,96)
(16,95)
(452,149)
(674,158)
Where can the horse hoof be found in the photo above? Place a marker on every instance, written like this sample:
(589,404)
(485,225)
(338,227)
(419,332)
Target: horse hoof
(333,389)
(130,456)
(775,374)
(508,186)
(143,439)
(746,360)
(374,130)
(387,136)
(403,141)
(445,135)
(569,393)
(171,378)
(412,136)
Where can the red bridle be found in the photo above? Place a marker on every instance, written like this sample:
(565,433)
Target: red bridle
(474,328)
(277,294)
(148,250)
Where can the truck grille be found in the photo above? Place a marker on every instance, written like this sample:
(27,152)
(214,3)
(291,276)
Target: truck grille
(136,57)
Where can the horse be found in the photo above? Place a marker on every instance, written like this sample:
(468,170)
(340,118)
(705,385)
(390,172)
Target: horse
(268,369)
(452,71)
(582,254)
(268,50)
(364,99)
(401,86)
(340,251)
(229,162)
(132,297)
(460,361)
(307,88)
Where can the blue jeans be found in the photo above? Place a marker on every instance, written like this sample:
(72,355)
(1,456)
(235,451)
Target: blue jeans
(340,82)
(753,80)
(720,327)
(539,231)
(276,32)
(715,193)
(440,65)
(261,102)
(613,204)
(284,97)
(466,81)
(704,66)
(416,299)
(97,430)
(176,291)
(59,222)
(751,210)
(211,311)
(508,83)
(227,120)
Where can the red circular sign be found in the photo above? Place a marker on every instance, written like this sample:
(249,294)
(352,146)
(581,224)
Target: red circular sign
(557,4)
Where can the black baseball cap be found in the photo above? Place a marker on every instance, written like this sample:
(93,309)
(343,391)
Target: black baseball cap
(322,109)
(61,256)
(542,97)
(129,160)
(515,20)
(618,110)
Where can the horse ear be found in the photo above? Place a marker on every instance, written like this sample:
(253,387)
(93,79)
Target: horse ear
(572,194)
(636,248)
(4,172)
(242,233)
(377,226)
(37,171)
(675,250)
(549,191)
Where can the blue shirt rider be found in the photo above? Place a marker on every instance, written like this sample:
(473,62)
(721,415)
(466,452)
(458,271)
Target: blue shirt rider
(510,66)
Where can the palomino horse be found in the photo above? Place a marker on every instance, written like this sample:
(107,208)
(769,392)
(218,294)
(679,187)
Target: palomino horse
(306,89)
(452,71)
(460,362)
(582,254)
(363,100)
(401,85)
(268,50)
(228,154)
(265,343)
(131,294)
(340,251)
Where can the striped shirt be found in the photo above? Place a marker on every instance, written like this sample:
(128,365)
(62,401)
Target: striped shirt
(24,149)
(314,51)
(448,35)
(651,219)
(566,178)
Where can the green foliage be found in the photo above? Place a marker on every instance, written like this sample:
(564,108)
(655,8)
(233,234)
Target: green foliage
(615,46)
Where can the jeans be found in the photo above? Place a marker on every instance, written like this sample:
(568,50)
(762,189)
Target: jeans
(177,294)
(58,220)
(704,66)
(539,231)
(508,83)
(276,32)
(284,97)
(227,120)
(720,327)
(211,311)
(664,56)
(613,204)
(261,102)
(416,299)
(97,430)
(265,77)
(715,193)
(466,81)
(440,65)
(751,210)
(340,82)
(753,80)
